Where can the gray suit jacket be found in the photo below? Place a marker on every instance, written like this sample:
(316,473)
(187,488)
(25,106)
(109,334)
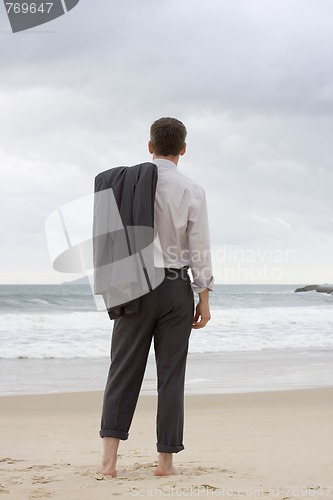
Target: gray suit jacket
(123,234)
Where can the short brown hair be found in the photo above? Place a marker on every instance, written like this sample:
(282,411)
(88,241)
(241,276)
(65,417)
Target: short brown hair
(168,136)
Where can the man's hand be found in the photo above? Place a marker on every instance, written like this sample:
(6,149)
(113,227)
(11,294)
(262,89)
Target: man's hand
(202,312)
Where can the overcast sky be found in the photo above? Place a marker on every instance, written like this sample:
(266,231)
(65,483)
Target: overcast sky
(251,79)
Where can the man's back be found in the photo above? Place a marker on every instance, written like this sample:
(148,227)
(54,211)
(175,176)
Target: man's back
(180,214)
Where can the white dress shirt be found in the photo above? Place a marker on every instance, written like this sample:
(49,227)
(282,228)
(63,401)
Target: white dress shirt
(181,223)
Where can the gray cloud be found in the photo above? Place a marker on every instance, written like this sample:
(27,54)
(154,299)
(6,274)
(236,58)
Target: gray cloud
(252,80)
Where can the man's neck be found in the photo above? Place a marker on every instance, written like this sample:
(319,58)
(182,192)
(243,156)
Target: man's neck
(174,159)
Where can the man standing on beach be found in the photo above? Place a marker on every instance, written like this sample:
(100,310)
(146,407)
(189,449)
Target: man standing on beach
(166,313)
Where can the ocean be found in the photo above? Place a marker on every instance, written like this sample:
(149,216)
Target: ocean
(53,338)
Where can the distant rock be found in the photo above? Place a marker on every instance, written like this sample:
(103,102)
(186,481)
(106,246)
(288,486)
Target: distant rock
(316,288)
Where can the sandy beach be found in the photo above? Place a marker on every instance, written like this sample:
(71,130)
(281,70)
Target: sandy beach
(252,445)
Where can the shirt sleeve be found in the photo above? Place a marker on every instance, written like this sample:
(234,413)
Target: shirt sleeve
(199,244)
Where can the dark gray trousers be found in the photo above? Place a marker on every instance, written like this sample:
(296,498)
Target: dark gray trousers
(166,315)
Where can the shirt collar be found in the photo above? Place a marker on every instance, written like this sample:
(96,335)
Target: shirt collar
(162,162)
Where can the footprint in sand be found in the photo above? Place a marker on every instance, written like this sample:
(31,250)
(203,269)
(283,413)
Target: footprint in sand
(4,489)
(10,460)
(40,467)
(85,472)
(43,480)
(197,471)
(15,480)
(210,487)
(40,494)
(150,465)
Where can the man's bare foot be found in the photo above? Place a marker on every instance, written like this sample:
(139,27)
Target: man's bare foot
(109,462)
(107,471)
(165,466)
(165,472)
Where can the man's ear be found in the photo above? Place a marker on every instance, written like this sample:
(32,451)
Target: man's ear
(150,148)
(183,150)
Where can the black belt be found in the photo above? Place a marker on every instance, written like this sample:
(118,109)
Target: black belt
(174,272)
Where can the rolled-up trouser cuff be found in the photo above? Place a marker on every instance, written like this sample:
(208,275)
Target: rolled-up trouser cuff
(163,448)
(114,434)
